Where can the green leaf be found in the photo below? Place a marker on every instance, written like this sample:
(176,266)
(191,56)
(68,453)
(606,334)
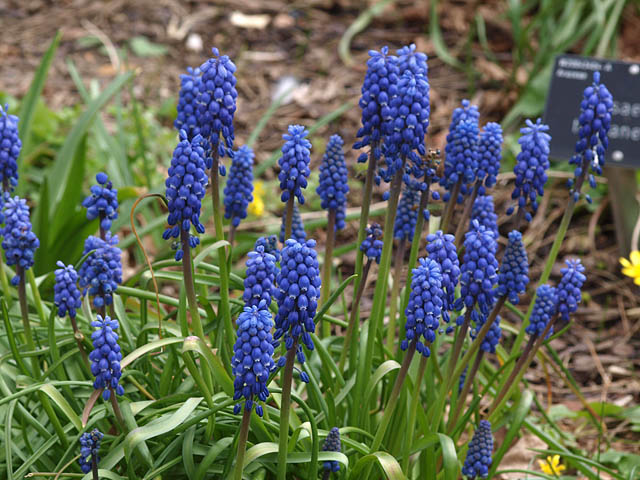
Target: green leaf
(62,404)
(449,457)
(41,224)
(149,347)
(389,466)
(143,47)
(332,298)
(195,344)
(387,367)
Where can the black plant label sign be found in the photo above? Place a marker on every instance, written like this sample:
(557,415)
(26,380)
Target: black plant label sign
(571,74)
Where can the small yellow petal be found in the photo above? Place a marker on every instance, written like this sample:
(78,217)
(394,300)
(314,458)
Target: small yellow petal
(624,262)
(635,257)
(637,281)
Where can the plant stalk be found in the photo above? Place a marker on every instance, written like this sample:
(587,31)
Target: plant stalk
(288,219)
(398,261)
(24,312)
(117,411)
(466,213)
(468,381)
(232,233)
(415,400)
(94,466)
(451,206)
(242,443)
(287,378)
(79,337)
(325,289)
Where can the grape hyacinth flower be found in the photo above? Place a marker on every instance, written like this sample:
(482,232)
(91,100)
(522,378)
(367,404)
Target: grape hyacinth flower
(66,295)
(491,340)
(483,211)
(478,270)
(410,59)
(294,163)
(89,447)
(569,288)
(270,245)
(19,242)
(531,167)
(461,156)
(185,189)
(298,292)
(372,243)
(101,272)
(10,146)
(489,155)
(333,187)
(103,202)
(252,356)
(544,308)
(462,379)
(594,120)
(442,248)
(239,187)
(478,458)
(260,280)
(216,101)
(514,271)
(106,356)
(407,214)
(425,305)
(297,227)
(378,88)
(187,118)
(332,444)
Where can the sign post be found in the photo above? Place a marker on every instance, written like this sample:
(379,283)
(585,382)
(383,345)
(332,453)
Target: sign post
(571,74)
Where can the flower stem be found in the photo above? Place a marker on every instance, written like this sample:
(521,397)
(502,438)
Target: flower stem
(463,223)
(94,466)
(395,290)
(351,338)
(242,443)
(285,407)
(468,381)
(415,400)
(24,311)
(325,289)
(187,272)
(77,334)
(451,206)
(117,411)
(232,234)
(3,280)
(326,475)
(222,259)
(288,219)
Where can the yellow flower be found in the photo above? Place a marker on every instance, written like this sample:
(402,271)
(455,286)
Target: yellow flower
(632,268)
(552,465)
(256,207)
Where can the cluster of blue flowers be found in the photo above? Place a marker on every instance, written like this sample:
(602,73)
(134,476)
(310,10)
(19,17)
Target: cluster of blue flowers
(103,202)
(216,105)
(260,280)
(544,308)
(19,242)
(531,167)
(594,120)
(185,189)
(491,340)
(270,245)
(514,271)
(294,163)
(10,146)
(66,295)
(332,444)
(489,155)
(238,192)
(569,289)
(333,187)
(101,272)
(483,211)
(252,356)
(89,447)
(442,248)
(187,118)
(298,292)
(425,305)
(407,214)
(372,243)
(105,357)
(297,227)
(478,459)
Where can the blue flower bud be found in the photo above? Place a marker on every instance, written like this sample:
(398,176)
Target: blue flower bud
(101,272)
(105,357)
(544,309)
(483,211)
(332,444)
(442,248)
(187,118)
(569,289)
(10,146)
(89,446)
(238,192)
(372,243)
(19,242)
(407,213)
(489,155)
(66,295)
(270,245)
(103,202)
(260,280)
(478,459)
(294,163)
(333,187)
(297,227)
(514,271)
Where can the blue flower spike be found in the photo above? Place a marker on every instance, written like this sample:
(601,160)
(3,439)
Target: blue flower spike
(544,309)
(89,447)
(185,188)
(569,289)
(332,444)
(491,340)
(19,242)
(333,187)
(407,214)
(531,168)
(484,212)
(66,295)
(10,146)
(294,163)
(478,460)
(270,245)
(216,101)
(441,247)
(297,227)
(260,280)
(425,305)
(489,155)
(514,271)
(596,109)
(187,118)
(252,357)
(103,202)
(238,192)
(101,272)
(298,293)
(105,357)
(372,243)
